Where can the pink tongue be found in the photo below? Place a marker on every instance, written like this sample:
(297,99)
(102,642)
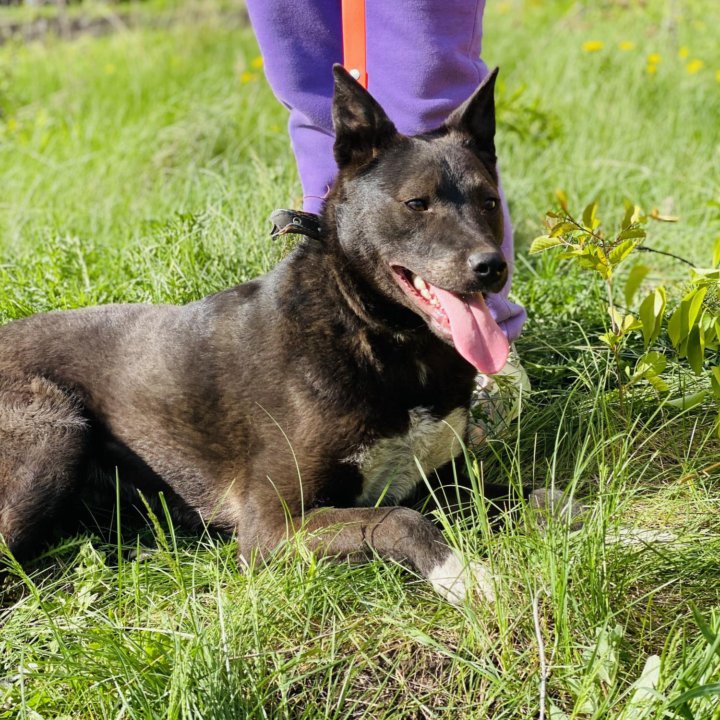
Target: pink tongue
(476,335)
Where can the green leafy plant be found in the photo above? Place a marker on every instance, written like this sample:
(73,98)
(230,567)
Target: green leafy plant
(689,330)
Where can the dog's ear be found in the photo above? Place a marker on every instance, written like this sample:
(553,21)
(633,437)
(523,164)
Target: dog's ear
(361,126)
(476,118)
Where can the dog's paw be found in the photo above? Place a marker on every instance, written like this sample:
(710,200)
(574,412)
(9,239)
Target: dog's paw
(551,503)
(456,580)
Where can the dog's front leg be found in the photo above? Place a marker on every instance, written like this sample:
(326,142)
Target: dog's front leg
(395,533)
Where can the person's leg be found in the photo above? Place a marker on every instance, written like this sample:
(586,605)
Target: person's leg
(300,40)
(423,58)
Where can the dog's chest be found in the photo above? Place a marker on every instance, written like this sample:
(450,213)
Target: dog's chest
(390,467)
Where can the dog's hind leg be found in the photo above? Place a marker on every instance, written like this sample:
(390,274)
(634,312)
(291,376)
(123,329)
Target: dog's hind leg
(395,533)
(42,437)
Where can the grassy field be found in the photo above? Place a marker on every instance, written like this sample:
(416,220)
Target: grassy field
(142,166)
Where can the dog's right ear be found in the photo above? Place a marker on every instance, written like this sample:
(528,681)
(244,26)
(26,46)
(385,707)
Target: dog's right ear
(361,126)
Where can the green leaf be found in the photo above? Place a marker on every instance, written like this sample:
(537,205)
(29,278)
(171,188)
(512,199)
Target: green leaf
(696,298)
(542,243)
(683,318)
(629,212)
(637,216)
(562,199)
(616,317)
(705,275)
(651,363)
(706,630)
(716,252)
(685,712)
(635,277)
(648,367)
(609,338)
(620,252)
(658,384)
(633,215)
(651,314)
(556,713)
(644,690)
(605,271)
(715,381)
(688,401)
(590,220)
(589,216)
(674,325)
(633,232)
(630,322)
(592,257)
(602,661)
(696,692)
(707,322)
(562,228)
(696,349)
(682,348)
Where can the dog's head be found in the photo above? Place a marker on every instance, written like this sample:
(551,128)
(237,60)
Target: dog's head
(420,217)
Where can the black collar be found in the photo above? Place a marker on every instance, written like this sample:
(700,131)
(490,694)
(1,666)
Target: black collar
(295,221)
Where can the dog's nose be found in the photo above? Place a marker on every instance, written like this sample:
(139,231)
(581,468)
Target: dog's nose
(489,267)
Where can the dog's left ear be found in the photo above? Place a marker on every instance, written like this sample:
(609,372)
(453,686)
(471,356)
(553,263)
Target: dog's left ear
(361,126)
(476,118)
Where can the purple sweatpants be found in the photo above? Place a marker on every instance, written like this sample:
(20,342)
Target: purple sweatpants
(423,61)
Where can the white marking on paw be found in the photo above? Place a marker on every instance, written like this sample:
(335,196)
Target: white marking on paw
(454,580)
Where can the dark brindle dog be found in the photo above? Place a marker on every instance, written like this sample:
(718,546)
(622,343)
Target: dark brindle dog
(301,398)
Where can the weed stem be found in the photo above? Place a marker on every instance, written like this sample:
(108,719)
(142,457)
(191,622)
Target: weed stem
(541,654)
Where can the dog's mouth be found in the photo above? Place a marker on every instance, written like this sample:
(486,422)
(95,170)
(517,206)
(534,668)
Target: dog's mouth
(461,319)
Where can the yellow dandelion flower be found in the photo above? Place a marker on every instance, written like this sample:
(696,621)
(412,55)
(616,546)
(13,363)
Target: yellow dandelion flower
(654,58)
(626,45)
(257,62)
(109,69)
(590,46)
(695,66)
(651,69)
(246,77)
(683,53)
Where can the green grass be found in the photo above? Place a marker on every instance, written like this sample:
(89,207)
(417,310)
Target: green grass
(142,166)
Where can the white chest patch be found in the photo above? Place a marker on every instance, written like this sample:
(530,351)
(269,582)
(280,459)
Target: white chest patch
(389,468)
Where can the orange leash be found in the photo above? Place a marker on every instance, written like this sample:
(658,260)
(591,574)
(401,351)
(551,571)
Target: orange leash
(354,39)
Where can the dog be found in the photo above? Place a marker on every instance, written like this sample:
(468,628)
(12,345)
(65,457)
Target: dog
(303,399)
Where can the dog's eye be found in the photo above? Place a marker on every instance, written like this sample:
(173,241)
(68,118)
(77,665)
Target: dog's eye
(489,205)
(417,204)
